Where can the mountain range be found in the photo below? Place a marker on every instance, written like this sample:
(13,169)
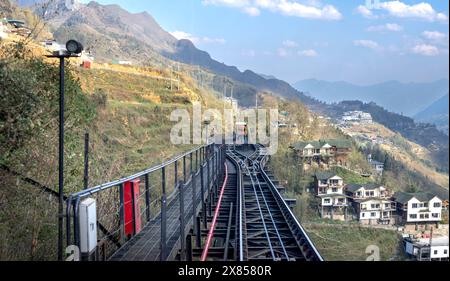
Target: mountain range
(403,98)
(111,32)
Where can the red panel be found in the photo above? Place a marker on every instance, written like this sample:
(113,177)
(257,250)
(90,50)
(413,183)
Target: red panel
(131,189)
(86,64)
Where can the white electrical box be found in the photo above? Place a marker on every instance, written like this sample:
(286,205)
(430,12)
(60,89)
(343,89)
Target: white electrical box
(88,225)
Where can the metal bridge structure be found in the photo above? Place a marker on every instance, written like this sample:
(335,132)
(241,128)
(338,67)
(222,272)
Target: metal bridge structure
(213,203)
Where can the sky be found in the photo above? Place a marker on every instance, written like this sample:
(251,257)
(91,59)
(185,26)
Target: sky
(358,41)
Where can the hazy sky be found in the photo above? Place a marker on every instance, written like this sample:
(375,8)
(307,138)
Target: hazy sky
(329,40)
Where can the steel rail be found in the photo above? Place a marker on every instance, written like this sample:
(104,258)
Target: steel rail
(291,214)
(255,164)
(216,214)
(262,218)
(284,207)
(237,163)
(248,158)
(271,218)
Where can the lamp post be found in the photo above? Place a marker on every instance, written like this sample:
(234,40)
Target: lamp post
(73,49)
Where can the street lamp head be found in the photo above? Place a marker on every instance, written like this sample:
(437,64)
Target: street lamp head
(74,47)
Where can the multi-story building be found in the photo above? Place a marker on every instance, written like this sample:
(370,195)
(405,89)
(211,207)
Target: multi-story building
(418,210)
(327,151)
(377,166)
(329,188)
(427,249)
(371,203)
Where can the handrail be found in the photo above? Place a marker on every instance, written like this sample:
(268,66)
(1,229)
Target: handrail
(104,186)
(216,214)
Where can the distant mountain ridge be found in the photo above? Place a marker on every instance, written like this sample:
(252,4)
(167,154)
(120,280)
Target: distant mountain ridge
(115,33)
(402,98)
(437,113)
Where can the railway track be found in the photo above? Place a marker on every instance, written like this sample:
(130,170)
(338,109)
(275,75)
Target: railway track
(263,227)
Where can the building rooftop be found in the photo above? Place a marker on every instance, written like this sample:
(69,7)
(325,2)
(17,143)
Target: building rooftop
(339,143)
(355,187)
(324,175)
(375,162)
(435,241)
(403,197)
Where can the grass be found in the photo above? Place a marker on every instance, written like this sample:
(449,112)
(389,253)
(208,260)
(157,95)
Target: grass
(343,242)
(129,132)
(352,177)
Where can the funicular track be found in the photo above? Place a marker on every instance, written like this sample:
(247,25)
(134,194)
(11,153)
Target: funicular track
(224,205)
(268,229)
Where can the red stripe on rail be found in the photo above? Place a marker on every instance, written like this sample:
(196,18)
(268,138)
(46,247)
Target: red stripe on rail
(216,214)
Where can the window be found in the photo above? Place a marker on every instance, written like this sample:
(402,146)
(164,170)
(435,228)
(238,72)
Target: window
(323,182)
(414,205)
(386,205)
(427,216)
(422,216)
(373,214)
(363,215)
(445,251)
(435,215)
(334,189)
(437,205)
(326,201)
(358,193)
(413,216)
(425,205)
(367,193)
(435,252)
(334,182)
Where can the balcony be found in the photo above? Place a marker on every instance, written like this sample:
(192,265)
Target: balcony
(340,204)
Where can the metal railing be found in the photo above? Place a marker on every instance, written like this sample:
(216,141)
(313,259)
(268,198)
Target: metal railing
(153,192)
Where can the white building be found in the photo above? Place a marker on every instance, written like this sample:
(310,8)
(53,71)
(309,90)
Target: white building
(434,248)
(232,102)
(357,117)
(53,46)
(371,203)
(3,34)
(418,209)
(330,191)
(377,166)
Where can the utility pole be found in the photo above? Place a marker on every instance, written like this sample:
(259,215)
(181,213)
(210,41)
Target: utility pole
(86,160)
(178,75)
